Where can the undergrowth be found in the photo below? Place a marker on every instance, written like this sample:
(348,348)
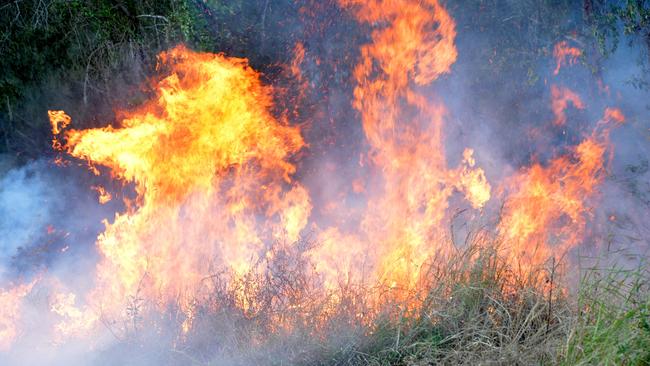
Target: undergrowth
(471,308)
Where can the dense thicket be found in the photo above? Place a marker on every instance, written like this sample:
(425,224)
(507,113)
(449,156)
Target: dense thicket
(88,56)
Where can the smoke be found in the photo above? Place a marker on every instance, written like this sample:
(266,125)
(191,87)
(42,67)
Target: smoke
(27,204)
(51,217)
(510,126)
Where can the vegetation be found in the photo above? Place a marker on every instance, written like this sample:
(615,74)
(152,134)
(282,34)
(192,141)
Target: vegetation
(88,56)
(58,53)
(472,310)
(63,50)
(613,327)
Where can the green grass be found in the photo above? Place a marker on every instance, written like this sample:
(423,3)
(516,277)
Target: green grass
(613,325)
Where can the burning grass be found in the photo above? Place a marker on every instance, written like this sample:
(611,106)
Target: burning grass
(470,309)
(208,262)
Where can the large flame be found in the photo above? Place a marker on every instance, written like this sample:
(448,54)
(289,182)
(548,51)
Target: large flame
(547,207)
(206,158)
(213,172)
(405,131)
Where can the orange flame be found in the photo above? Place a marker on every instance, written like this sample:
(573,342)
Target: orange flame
(74,321)
(104,196)
(59,120)
(213,173)
(547,206)
(206,157)
(560,98)
(298,59)
(415,47)
(565,55)
(10,312)
(614,114)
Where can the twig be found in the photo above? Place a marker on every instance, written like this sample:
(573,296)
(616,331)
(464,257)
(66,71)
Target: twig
(8,127)
(550,297)
(11,116)
(153,16)
(192,359)
(263,33)
(85,89)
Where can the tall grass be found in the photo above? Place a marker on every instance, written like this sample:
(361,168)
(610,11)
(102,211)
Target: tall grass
(473,307)
(612,325)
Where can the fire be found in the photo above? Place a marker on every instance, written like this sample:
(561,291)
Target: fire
(565,55)
(472,181)
(216,189)
(340,258)
(547,207)
(413,48)
(560,99)
(74,321)
(299,58)
(10,312)
(104,196)
(206,157)
(59,120)
(614,114)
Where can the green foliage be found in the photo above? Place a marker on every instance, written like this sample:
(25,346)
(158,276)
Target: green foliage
(39,37)
(607,17)
(74,48)
(613,327)
(611,20)
(516,37)
(87,56)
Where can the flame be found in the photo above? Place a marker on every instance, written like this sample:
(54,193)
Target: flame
(565,55)
(104,196)
(74,320)
(412,46)
(560,99)
(547,207)
(213,173)
(473,181)
(298,59)
(340,258)
(614,114)
(10,312)
(58,120)
(206,157)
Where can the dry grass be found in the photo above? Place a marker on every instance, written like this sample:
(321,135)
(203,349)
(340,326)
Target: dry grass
(473,310)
